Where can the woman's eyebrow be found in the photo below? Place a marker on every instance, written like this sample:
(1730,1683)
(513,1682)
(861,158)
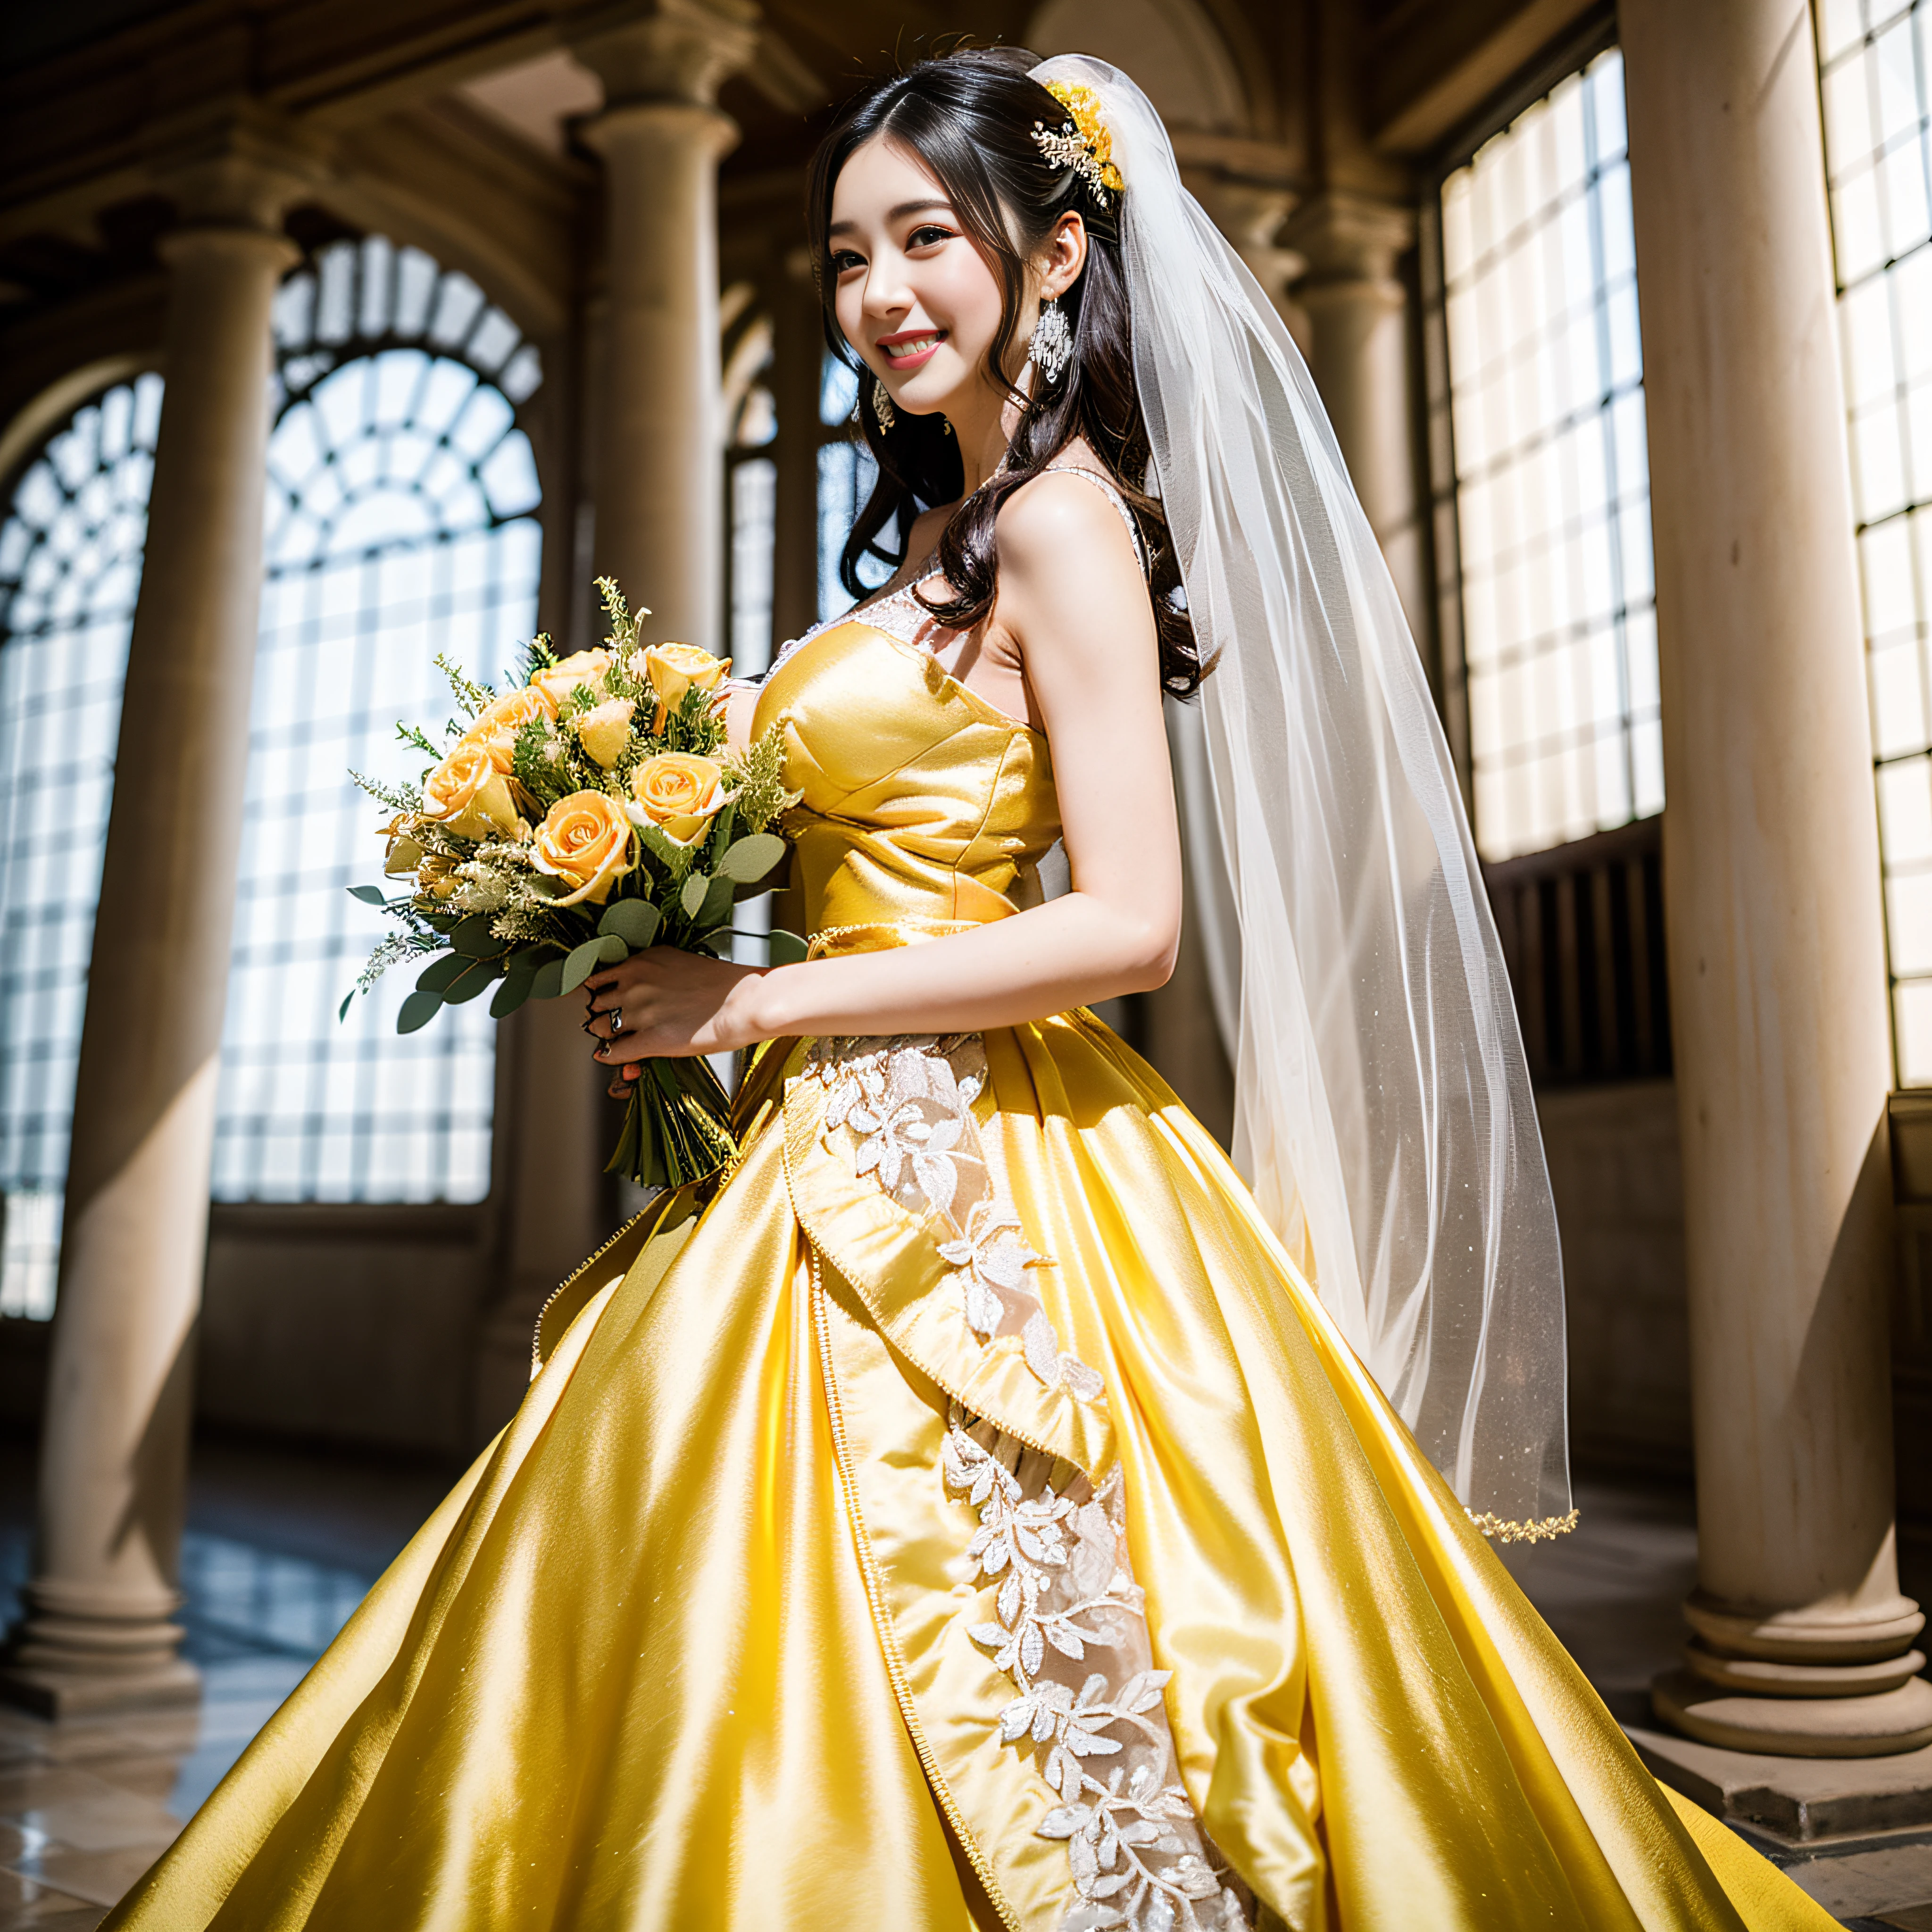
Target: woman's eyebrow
(897,214)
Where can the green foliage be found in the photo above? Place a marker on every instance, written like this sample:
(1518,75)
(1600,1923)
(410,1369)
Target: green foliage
(748,859)
(469,693)
(758,771)
(411,734)
(542,764)
(623,636)
(538,655)
(634,921)
(394,797)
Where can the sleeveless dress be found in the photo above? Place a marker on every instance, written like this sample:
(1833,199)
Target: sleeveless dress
(967,1517)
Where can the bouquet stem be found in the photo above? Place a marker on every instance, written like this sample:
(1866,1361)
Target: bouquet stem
(676,1125)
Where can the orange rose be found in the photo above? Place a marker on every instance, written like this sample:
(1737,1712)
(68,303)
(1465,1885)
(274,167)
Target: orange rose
(469,796)
(500,720)
(585,841)
(673,669)
(679,792)
(605,732)
(563,678)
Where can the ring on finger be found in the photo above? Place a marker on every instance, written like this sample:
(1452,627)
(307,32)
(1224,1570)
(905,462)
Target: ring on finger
(617,1022)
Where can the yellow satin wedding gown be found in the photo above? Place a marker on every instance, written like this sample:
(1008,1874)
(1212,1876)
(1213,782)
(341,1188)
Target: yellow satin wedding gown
(968,1519)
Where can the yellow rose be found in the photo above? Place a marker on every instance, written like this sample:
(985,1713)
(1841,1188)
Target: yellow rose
(585,840)
(605,733)
(673,669)
(469,796)
(500,720)
(679,792)
(403,854)
(563,678)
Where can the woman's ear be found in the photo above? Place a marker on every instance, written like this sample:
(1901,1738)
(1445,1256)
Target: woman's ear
(1064,256)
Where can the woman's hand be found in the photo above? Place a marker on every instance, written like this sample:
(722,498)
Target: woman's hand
(665,1004)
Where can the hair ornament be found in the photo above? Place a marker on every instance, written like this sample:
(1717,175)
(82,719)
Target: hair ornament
(1081,142)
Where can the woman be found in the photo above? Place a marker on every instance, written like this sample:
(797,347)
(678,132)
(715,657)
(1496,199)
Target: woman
(970,1516)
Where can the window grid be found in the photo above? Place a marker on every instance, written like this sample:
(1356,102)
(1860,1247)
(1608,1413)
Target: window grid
(846,473)
(1875,80)
(70,550)
(1547,476)
(399,525)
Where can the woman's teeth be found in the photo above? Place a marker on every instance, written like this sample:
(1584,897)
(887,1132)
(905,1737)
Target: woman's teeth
(913,345)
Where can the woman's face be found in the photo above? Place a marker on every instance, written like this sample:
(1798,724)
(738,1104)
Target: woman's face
(913,295)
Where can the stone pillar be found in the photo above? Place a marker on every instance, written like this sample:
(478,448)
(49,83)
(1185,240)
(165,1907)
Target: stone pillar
(1357,342)
(98,1631)
(1250,214)
(799,351)
(660,479)
(1803,1642)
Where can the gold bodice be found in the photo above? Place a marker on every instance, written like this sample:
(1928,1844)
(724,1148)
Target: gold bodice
(926,809)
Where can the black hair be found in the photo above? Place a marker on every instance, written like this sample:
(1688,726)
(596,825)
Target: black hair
(969,116)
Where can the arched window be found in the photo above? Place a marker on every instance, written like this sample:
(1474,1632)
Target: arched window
(399,527)
(70,568)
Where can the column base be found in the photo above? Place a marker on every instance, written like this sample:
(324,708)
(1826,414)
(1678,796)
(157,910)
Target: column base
(1797,1801)
(51,1693)
(1813,1724)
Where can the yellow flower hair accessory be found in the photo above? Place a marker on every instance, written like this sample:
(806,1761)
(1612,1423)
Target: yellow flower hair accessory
(1083,143)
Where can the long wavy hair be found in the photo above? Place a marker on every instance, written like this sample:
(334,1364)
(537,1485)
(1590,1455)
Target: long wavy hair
(969,117)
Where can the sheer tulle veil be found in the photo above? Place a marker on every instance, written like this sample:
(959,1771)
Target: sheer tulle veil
(1383,1111)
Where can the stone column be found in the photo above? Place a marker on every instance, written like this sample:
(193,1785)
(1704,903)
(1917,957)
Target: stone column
(799,350)
(1357,342)
(1803,1642)
(659,514)
(98,1631)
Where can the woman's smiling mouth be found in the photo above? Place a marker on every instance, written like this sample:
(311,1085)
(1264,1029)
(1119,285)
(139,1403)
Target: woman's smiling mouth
(911,350)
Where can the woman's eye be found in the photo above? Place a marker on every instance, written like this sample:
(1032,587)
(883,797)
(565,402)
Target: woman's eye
(843,261)
(924,238)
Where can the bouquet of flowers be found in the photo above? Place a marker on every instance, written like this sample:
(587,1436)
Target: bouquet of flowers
(577,816)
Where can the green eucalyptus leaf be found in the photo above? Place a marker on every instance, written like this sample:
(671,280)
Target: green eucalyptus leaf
(368,895)
(473,936)
(692,898)
(418,1010)
(634,921)
(611,949)
(342,1011)
(716,908)
(440,971)
(752,857)
(476,979)
(584,960)
(662,847)
(547,982)
(786,948)
(511,994)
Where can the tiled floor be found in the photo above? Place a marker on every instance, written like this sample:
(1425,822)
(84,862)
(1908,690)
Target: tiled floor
(281,1545)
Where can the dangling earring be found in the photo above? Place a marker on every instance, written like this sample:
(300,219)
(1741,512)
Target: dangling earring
(1051,347)
(882,405)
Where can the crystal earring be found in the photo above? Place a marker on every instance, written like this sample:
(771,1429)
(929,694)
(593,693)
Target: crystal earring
(882,405)
(1051,347)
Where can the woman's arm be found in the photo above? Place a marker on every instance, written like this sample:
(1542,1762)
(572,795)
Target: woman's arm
(1072,600)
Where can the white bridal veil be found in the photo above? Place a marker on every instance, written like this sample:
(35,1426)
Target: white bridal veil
(1382,1106)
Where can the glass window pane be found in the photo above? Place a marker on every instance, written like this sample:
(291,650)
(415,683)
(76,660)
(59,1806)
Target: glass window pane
(70,568)
(1878,105)
(1553,494)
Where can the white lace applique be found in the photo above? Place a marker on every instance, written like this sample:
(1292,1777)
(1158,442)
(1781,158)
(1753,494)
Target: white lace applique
(1139,1858)
(908,1102)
